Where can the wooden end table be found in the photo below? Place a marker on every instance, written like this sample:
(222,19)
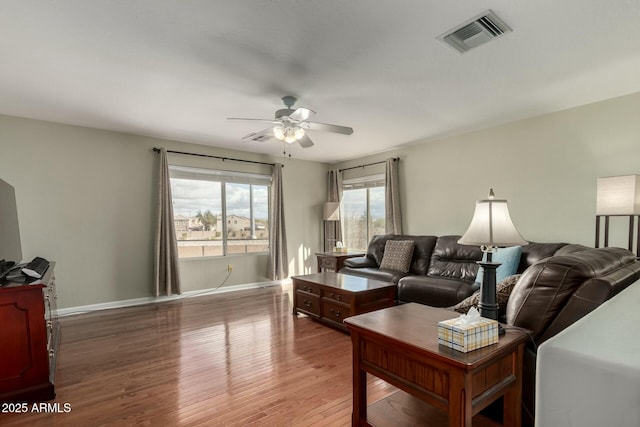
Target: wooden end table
(334,260)
(331,297)
(400,346)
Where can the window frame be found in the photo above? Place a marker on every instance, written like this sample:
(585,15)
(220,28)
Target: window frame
(224,177)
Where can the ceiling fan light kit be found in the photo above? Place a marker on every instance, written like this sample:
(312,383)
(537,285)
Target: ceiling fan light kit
(288,134)
(291,125)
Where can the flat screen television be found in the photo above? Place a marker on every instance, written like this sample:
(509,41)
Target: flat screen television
(10,247)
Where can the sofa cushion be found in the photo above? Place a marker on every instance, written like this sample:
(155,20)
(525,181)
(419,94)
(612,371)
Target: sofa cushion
(571,249)
(453,260)
(376,247)
(423,247)
(433,291)
(534,252)
(509,258)
(422,253)
(503,291)
(397,255)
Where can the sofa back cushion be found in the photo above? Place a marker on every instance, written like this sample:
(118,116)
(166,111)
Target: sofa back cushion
(422,249)
(453,260)
(534,252)
(545,288)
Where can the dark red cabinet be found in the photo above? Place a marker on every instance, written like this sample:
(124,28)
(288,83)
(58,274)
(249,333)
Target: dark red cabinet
(28,340)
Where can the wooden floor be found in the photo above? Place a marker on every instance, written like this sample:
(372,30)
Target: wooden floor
(232,359)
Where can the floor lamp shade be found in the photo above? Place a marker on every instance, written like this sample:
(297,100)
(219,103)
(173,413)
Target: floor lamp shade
(331,211)
(618,195)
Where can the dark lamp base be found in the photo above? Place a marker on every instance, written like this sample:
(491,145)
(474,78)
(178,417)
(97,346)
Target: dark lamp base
(488,305)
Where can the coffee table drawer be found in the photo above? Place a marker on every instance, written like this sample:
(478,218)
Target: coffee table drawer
(334,312)
(308,304)
(310,288)
(342,297)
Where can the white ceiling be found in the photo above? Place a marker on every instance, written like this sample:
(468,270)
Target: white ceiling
(176,69)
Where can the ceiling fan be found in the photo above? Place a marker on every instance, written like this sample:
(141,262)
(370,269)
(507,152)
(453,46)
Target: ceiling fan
(291,125)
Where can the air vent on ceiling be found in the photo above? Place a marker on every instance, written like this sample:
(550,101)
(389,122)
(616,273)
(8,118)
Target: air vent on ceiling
(474,32)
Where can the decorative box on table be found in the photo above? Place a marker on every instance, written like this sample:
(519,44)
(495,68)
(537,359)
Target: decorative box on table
(464,336)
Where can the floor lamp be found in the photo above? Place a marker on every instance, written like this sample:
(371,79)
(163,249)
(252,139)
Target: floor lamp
(491,227)
(618,196)
(331,212)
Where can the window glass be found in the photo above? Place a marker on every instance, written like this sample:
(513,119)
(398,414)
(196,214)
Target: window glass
(247,210)
(376,212)
(363,212)
(219,213)
(354,218)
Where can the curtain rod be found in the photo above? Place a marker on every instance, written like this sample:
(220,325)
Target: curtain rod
(368,164)
(157,150)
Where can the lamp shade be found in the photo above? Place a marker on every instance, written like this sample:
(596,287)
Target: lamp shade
(618,195)
(331,211)
(491,225)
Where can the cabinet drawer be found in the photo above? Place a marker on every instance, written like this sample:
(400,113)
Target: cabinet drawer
(334,312)
(308,303)
(327,262)
(310,288)
(332,295)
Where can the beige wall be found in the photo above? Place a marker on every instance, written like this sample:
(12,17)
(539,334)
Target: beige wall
(546,167)
(86,200)
(85,197)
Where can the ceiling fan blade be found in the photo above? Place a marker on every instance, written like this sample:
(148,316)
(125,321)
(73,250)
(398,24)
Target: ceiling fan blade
(330,128)
(275,122)
(263,135)
(305,141)
(301,114)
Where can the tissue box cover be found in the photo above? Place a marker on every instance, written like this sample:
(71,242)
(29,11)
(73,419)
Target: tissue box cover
(452,333)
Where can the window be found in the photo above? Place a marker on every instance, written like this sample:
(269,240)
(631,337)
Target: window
(218,213)
(363,214)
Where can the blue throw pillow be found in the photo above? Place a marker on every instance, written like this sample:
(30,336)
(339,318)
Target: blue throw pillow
(508,257)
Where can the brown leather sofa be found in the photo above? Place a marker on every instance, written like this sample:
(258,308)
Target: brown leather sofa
(442,271)
(560,284)
(557,291)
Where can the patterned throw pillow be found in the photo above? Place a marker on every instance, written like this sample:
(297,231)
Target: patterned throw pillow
(397,255)
(470,301)
(503,290)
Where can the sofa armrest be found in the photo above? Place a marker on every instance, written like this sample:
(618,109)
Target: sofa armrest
(360,262)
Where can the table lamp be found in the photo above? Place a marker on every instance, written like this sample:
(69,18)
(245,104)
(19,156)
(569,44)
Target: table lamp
(491,227)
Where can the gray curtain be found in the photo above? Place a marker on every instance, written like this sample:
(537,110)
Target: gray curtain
(166,277)
(393,215)
(278,260)
(333,229)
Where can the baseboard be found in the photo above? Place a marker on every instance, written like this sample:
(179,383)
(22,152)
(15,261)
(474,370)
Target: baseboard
(152,300)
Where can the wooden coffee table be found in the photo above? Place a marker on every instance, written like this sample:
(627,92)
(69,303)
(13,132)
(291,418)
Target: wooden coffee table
(331,297)
(400,346)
